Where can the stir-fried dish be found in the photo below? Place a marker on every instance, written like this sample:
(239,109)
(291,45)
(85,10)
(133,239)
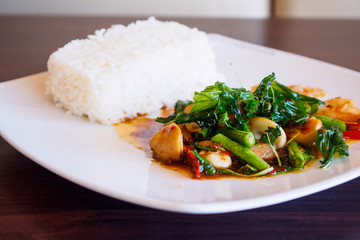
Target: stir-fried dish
(270,130)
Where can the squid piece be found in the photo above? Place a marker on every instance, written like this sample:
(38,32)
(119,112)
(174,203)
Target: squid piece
(307,133)
(219,159)
(167,143)
(341,109)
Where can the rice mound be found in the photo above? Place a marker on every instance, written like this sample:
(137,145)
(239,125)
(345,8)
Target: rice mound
(123,71)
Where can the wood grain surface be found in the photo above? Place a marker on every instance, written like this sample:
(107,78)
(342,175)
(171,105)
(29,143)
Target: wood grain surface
(37,204)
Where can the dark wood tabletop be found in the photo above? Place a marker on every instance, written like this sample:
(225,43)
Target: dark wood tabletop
(37,204)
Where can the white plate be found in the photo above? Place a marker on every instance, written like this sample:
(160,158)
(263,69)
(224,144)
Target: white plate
(93,156)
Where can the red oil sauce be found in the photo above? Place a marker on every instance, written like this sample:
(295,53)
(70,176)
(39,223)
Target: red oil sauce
(138,131)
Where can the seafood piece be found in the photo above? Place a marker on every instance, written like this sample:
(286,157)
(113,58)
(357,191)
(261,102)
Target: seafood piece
(167,143)
(264,151)
(307,133)
(341,109)
(219,159)
(309,91)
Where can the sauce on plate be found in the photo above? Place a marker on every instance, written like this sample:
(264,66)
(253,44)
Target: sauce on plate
(139,130)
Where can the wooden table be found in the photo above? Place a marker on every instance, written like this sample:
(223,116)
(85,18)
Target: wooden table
(37,204)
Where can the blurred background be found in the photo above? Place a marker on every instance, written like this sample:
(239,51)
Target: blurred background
(344,9)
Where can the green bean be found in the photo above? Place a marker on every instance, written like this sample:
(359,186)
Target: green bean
(203,134)
(328,122)
(241,151)
(245,138)
(296,157)
(204,147)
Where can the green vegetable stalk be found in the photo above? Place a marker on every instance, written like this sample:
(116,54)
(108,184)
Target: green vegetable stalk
(257,174)
(203,134)
(241,151)
(296,157)
(328,122)
(245,138)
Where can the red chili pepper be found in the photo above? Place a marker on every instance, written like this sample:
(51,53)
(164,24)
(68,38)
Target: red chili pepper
(194,164)
(186,148)
(226,153)
(352,126)
(352,134)
(281,168)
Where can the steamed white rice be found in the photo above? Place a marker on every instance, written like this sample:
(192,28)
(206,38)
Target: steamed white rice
(122,71)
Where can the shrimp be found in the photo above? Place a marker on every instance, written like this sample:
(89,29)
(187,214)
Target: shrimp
(309,91)
(341,109)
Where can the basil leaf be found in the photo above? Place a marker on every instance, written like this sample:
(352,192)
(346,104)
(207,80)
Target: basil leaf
(271,134)
(206,99)
(330,142)
(204,118)
(207,166)
(281,104)
(179,107)
(225,101)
